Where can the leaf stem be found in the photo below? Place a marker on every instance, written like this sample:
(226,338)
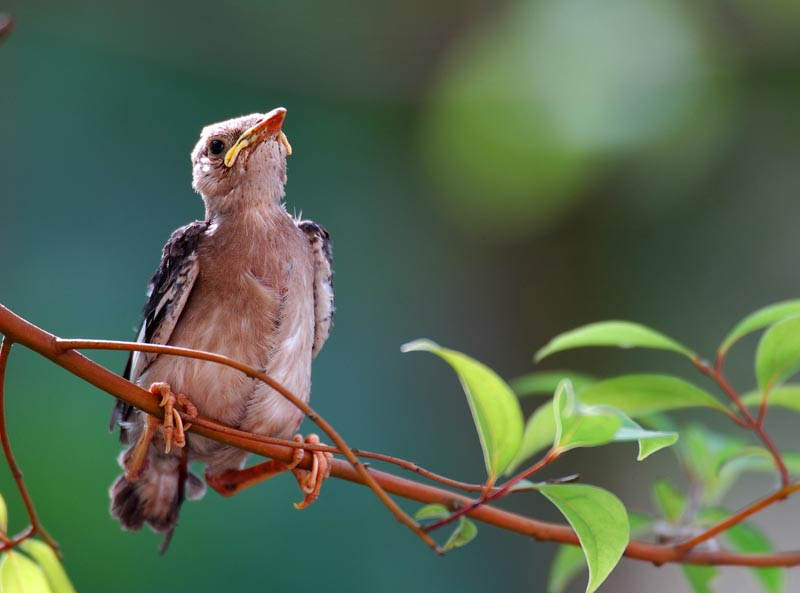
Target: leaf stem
(756,425)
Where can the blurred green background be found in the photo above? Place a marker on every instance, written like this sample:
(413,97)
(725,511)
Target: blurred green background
(492,173)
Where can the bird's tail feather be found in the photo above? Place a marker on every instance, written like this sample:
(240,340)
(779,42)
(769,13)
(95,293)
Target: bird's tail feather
(156,496)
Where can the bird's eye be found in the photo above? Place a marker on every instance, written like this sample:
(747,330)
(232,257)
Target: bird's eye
(216,146)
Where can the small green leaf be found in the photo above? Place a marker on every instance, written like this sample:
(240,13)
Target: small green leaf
(600,522)
(704,453)
(700,577)
(3,515)
(623,334)
(494,407)
(19,574)
(546,382)
(578,425)
(464,533)
(756,459)
(650,441)
(432,511)
(670,501)
(569,560)
(50,564)
(758,320)
(778,354)
(634,395)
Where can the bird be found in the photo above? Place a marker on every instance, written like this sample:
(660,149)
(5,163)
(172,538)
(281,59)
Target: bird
(250,282)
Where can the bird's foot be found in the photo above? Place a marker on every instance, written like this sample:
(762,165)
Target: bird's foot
(173,427)
(310,482)
(136,459)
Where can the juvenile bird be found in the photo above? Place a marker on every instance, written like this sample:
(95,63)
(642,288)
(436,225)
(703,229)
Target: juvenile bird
(249,282)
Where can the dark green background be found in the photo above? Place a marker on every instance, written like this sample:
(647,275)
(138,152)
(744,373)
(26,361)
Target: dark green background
(491,174)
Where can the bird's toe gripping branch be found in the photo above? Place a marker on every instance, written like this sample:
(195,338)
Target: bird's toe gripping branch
(172,428)
(231,481)
(310,482)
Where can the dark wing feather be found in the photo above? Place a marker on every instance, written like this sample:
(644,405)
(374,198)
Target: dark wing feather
(322,250)
(167,294)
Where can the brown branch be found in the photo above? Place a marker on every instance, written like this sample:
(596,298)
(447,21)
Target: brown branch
(24,333)
(756,425)
(497,493)
(345,449)
(6,25)
(36,526)
(737,518)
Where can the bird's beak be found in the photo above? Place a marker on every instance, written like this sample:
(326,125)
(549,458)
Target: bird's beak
(268,127)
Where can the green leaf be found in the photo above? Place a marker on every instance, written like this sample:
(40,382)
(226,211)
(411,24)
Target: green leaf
(778,354)
(623,334)
(464,533)
(700,577)
(3,515)
(432,511)
(546,382)
(494,407)
(704,453)
(19,574)
(639,395)
(50,564)
(758,320)
(578,425)
(785,396)
(600,522)
(634,395)
(745,538)
(669,500)
(569,560)
(650,441)
(756,459)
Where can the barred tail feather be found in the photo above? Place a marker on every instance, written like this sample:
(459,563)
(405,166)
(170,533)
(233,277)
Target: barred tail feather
(156,497)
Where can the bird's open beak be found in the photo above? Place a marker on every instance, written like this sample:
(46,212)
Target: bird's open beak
(268,127)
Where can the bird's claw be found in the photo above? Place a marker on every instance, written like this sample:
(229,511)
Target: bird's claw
(173,428)
(310,482)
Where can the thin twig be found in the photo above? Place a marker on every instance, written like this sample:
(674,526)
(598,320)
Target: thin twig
(737,518)
(36,525)
(497,493)
(27,334)
(756,425)
(399,514)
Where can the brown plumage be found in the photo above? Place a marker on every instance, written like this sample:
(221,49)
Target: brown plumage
(249,282)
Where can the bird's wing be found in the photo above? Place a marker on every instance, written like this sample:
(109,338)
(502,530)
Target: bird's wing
(167,294)
(322,251)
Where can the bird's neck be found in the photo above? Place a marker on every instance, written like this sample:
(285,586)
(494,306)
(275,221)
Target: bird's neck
(246,217)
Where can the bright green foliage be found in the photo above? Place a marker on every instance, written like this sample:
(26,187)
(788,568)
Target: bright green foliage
(50,564)
(623,334)
(669,500)
(494,407)
(628,395)
(569,560)
(785,396)
(704,453)
(546,382)
(746,538)
(759,320)
(700,577)
(578,425)
(756,459)
(639,395)
(432,511)
(19,574)
(465,532)
(778,354)
(600,521)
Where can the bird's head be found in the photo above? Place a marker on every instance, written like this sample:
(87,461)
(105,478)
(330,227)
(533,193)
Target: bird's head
(241,161)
